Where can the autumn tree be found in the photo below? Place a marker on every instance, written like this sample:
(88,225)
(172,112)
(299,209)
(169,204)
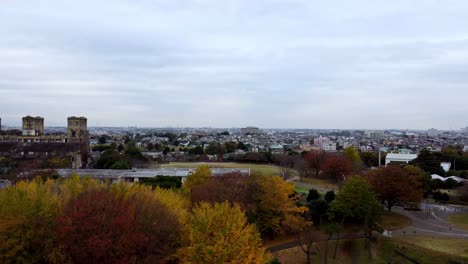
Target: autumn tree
(231,187)
(219,233)
(202,174)
(287,163)
(100,226)
(275,211)
(27,221)
(314,160)
(269,202)
(353,155)
(396,185)
(337,168)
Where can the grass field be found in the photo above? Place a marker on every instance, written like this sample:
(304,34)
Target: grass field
(302,190)
(449,246)
(421,249)
(393,221)
(459,220)
(267,170)
(349,251)
(323,184)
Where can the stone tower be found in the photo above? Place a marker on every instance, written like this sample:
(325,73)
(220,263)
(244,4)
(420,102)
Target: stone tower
(77,129)
(33,126)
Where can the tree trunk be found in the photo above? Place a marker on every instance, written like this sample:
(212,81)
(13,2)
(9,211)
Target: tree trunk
(336,245)
(308,257)
(326,250)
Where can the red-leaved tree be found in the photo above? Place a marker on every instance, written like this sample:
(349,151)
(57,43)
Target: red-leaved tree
(100,227)
(337,167)
(396,185)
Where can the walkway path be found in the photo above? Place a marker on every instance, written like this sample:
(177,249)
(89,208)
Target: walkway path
(432,221)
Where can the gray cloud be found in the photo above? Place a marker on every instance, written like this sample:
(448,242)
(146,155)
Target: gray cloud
(315,64)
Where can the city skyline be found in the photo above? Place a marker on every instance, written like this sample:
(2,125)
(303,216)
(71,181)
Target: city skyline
(300,64)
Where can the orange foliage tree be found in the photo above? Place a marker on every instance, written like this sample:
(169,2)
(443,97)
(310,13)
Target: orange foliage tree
(396,185)
(337,167)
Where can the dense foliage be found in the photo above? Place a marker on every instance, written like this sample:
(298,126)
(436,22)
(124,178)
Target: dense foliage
(81,220)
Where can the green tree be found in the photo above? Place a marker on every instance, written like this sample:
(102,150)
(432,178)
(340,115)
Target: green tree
(150,146)
(198,150)
(230,146)
(358,202)
(313,195)
(329,196)
(120,148)
(354,201)
(165,182)
(102,139)
(318,209)
(429,162)
(242,146)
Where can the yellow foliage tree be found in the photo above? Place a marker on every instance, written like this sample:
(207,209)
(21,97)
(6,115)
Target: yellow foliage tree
(201,175)
(27,221)
(276,209)
(220,233)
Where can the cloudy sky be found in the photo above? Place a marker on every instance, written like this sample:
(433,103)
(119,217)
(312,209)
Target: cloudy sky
(229,63)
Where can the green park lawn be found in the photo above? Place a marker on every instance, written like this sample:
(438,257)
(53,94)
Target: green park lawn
(441,245)
(323,184)
(393,221)
(420,249)
(267,170)
(459,220)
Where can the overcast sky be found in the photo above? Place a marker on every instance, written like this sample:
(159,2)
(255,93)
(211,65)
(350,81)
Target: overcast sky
(223,63)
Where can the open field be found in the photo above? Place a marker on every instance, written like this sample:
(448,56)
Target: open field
(267,170)
(321,185)
(349,251)
(393,221)
(449,246)
(421,249)
(301,190)
(459,220)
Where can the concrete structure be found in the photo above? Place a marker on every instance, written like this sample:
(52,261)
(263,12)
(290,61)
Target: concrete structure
(446,166)
(249,130)
(433,132)
(399,158)
(455,178)
(329,146)
(34,144)
(277,149)
(77,129)
(33,126)
(374,134)
(136,175)
(325,144)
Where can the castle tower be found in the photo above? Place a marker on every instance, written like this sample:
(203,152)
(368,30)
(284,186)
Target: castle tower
(77,129)
(33,126)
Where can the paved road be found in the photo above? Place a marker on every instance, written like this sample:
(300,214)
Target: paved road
(432,221)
